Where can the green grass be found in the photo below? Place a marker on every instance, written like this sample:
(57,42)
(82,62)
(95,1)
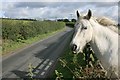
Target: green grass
(12,46)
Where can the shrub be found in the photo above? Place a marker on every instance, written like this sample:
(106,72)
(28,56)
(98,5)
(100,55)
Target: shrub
(70,24)
(17,30)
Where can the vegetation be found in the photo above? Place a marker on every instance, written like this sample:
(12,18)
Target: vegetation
(15,32)
(79,66)
(67,22)
(19,19)
(70,24)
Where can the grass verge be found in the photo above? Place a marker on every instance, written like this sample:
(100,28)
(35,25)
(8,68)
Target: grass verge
(11,46)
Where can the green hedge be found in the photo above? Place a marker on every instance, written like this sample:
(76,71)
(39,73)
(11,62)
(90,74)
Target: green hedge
(70,24)
(16,30)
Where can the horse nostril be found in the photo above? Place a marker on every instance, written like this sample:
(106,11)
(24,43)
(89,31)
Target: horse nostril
(74,47)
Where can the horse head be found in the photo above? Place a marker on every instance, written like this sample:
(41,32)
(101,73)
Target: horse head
(82,32)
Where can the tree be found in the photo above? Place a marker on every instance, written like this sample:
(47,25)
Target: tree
(73,20)
(66,20)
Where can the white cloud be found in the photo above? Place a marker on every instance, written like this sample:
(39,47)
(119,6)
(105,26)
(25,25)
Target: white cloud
(59,9)
(60,0)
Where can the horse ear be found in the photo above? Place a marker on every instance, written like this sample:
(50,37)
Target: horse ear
(78,15)
(89,14)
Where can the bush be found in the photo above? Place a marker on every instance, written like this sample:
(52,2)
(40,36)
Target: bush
(70,24)
(82,66)
(16,30)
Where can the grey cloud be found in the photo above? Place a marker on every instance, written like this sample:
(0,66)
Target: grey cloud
(48,4)
(64,4)
(55,9)
(106,4)
(30,4)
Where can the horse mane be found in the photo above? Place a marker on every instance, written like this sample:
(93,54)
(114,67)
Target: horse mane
(107,22)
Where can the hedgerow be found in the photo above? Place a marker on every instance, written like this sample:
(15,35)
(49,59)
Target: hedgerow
(82,66)
(17,30)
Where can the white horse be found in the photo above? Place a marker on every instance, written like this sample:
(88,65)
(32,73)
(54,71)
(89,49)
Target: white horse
(103,40)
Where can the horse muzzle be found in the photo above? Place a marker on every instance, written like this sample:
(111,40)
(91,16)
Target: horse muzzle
(75,49)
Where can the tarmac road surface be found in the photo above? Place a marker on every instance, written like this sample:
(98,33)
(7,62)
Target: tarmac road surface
(41,55)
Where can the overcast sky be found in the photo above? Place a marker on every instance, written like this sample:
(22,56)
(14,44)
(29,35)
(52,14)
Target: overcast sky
(52,10)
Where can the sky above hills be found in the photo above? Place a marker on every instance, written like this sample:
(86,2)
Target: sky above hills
(57,9)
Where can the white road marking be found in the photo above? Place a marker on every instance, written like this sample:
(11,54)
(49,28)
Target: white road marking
(34,61)
(42,73)
(41,66)
(45,47)
(50,63)
(45,61)
(38,61)
(37,71)
(46,68)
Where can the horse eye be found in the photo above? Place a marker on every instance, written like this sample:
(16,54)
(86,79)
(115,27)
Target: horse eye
(85,28)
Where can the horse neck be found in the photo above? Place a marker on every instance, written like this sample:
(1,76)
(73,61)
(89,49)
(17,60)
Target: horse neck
(104,39)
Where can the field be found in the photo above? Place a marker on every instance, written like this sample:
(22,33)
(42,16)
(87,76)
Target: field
(19,33)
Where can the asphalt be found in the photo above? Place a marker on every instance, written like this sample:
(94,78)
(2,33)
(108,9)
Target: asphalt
(41,56)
